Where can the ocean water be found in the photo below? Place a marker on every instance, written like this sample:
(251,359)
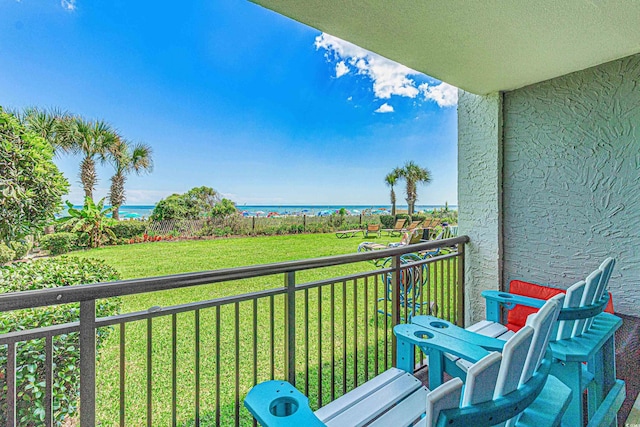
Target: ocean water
(144,211)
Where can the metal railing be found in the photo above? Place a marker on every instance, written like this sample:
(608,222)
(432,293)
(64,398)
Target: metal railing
(326,336)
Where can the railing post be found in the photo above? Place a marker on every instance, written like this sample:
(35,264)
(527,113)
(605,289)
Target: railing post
(290,327)
(304,222)
(395,302)
(88,363)
(460,291)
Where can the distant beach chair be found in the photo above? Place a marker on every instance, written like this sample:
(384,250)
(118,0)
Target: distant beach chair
(397,228)
(343,234)
(407,239)
(372,228)
(414,225)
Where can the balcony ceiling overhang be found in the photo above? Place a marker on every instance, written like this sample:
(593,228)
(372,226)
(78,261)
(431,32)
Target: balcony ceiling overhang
(480,46)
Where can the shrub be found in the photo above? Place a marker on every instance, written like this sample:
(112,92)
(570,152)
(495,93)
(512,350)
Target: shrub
(59,243)
(49,273)
(21,248)
(388,221)
(418,217)
(128,229)
(405,216)
(6,253)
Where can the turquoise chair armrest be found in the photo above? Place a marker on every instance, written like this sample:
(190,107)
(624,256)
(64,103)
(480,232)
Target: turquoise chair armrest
(496,299)
(279,404)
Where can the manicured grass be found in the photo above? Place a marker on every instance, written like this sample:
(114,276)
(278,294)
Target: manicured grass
(328,343)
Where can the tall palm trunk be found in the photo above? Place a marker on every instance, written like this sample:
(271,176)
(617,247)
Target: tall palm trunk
(411,196)
(393,202)
(88,176)
(116,193)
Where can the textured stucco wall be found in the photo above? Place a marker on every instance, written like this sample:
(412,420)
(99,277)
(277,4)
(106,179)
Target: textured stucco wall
(572,179)
(479,194)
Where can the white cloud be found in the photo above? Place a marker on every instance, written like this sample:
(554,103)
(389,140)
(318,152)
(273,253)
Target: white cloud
(443,94)
(69,5)
(389,78)
(384,108)
(341,69)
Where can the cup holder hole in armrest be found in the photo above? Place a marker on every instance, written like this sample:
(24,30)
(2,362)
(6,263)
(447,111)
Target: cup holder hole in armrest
(283,406)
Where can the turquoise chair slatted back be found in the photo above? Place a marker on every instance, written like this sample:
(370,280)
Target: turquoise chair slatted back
(571,300)
(607,268)
(593,280)
(481,380)
(542,324)
(514,356)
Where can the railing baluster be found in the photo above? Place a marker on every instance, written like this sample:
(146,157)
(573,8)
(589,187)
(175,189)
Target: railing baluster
(306,342)
(11,384)
(88,363)
(174,369)
(272,339)
(333,342)
(355,334)
(344,337)
(320,346)
(149,372)
(460,286)
(290,327)
(197,367)
(255,341)
(442,289)
(122,374)
(395,300)
(365,316)
(237,361)
(48,381)
(376,349)
(217,347)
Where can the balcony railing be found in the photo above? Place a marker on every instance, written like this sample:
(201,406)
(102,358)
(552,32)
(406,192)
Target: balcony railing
(200,358)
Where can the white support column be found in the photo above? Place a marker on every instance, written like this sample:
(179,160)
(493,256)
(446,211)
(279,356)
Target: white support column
(480,195)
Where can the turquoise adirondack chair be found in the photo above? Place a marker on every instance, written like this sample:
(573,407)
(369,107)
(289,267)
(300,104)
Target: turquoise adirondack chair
(512,385)
(582,344)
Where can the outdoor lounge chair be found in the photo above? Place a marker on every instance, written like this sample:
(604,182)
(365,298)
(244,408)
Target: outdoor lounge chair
(343,234)
(372,228)
(512,386)
(407,239)
(414,225)
(397,228)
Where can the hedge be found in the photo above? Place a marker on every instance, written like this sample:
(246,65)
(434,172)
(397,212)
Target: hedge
(128,229)
(59,243)
(6,253)
(49,273)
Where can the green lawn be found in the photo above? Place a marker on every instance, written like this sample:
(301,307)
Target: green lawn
(324,343)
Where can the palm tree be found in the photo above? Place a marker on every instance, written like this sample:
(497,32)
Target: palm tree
(414,175)
(92,139)
(47,123)
(391,179)
(126,158)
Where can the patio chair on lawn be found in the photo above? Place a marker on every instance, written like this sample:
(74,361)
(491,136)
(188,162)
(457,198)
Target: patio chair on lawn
(372,228)
(513,386)
(397,228)
(408,238)
(343,234)
(414,225)
(582,342)
(412,279)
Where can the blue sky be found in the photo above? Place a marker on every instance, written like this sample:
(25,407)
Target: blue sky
(232,96)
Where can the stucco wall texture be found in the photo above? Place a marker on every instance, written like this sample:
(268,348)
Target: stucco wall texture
(479,191)
(571,179)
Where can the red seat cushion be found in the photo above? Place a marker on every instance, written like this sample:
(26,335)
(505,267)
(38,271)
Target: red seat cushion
(517,317)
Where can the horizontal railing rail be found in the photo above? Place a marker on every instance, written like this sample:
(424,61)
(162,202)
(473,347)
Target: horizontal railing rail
(326,335)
